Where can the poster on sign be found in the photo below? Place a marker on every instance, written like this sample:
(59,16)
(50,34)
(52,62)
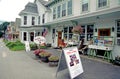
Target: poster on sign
(27,46)
(39,40)
(73,61)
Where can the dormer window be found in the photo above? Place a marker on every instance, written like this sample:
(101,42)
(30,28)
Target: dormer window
(25,20)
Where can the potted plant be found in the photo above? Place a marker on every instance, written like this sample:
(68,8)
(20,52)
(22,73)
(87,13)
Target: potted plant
(33,46)
(53,60)
(38,51)
(117,60)
(44,56)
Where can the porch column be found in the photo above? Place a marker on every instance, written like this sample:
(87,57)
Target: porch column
(28,36)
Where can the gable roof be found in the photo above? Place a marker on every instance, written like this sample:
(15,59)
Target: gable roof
(30,8)
(43,2)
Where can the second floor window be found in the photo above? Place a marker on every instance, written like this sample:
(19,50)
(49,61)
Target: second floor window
(25,20)
(102,3)
(84,5)
(39,20)
(54,13)
(43,18)
(64,9)
(33,20)
(58,11)
(69,7)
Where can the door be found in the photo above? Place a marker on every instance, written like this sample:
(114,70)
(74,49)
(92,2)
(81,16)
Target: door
(32,36)
(59,38)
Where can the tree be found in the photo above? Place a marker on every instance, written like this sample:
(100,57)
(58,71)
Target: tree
(3,26)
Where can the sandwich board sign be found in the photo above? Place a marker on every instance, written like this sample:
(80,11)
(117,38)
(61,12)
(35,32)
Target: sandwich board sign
(27,46)
(70,59)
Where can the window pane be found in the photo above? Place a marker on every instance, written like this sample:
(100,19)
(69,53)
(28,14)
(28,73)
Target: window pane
(69,7)
(54,13)
(70,36)
(58,11)
(65,36)
(102,3)
(33,20)
(39,20)
(70,29)
(85,7)
(90,29)
(25,36)
(43,18)
(65,29)
(118,34)
(25,20)
(64,9)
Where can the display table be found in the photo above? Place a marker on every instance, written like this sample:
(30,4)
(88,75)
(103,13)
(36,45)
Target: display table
(107,53)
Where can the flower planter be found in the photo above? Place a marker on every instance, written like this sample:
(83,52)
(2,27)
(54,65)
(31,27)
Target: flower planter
(117,62)
(53,63)
(44,59)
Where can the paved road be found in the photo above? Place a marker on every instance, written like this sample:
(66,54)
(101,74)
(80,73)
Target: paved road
(22,65)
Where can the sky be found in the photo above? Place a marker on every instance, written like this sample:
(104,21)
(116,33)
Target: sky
(10,9)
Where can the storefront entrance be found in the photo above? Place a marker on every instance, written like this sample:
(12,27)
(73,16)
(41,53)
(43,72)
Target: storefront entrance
(31,36)
(59,38)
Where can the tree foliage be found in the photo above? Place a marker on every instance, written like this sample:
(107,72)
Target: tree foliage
(4,25)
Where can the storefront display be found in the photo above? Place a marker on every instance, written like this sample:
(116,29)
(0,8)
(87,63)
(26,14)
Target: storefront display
(103,41)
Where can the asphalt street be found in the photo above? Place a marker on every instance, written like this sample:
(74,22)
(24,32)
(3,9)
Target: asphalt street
(24,65)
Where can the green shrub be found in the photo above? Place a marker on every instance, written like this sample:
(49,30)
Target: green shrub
(18,48)
(43,47)
(15,46)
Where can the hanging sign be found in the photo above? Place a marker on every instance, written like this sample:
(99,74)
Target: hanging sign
(73,62)
(39,40)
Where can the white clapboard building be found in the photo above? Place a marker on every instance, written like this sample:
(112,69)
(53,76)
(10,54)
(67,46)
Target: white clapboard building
(100,18)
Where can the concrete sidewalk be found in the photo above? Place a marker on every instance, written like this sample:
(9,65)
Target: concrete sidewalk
(24,65)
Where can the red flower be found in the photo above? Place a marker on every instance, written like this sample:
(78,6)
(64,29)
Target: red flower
(38,51)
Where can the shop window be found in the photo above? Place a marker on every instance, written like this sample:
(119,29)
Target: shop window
(24,36)
(118,32)
(104,32)
(68,33)
(83,34)
(90,30)
(32,36)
